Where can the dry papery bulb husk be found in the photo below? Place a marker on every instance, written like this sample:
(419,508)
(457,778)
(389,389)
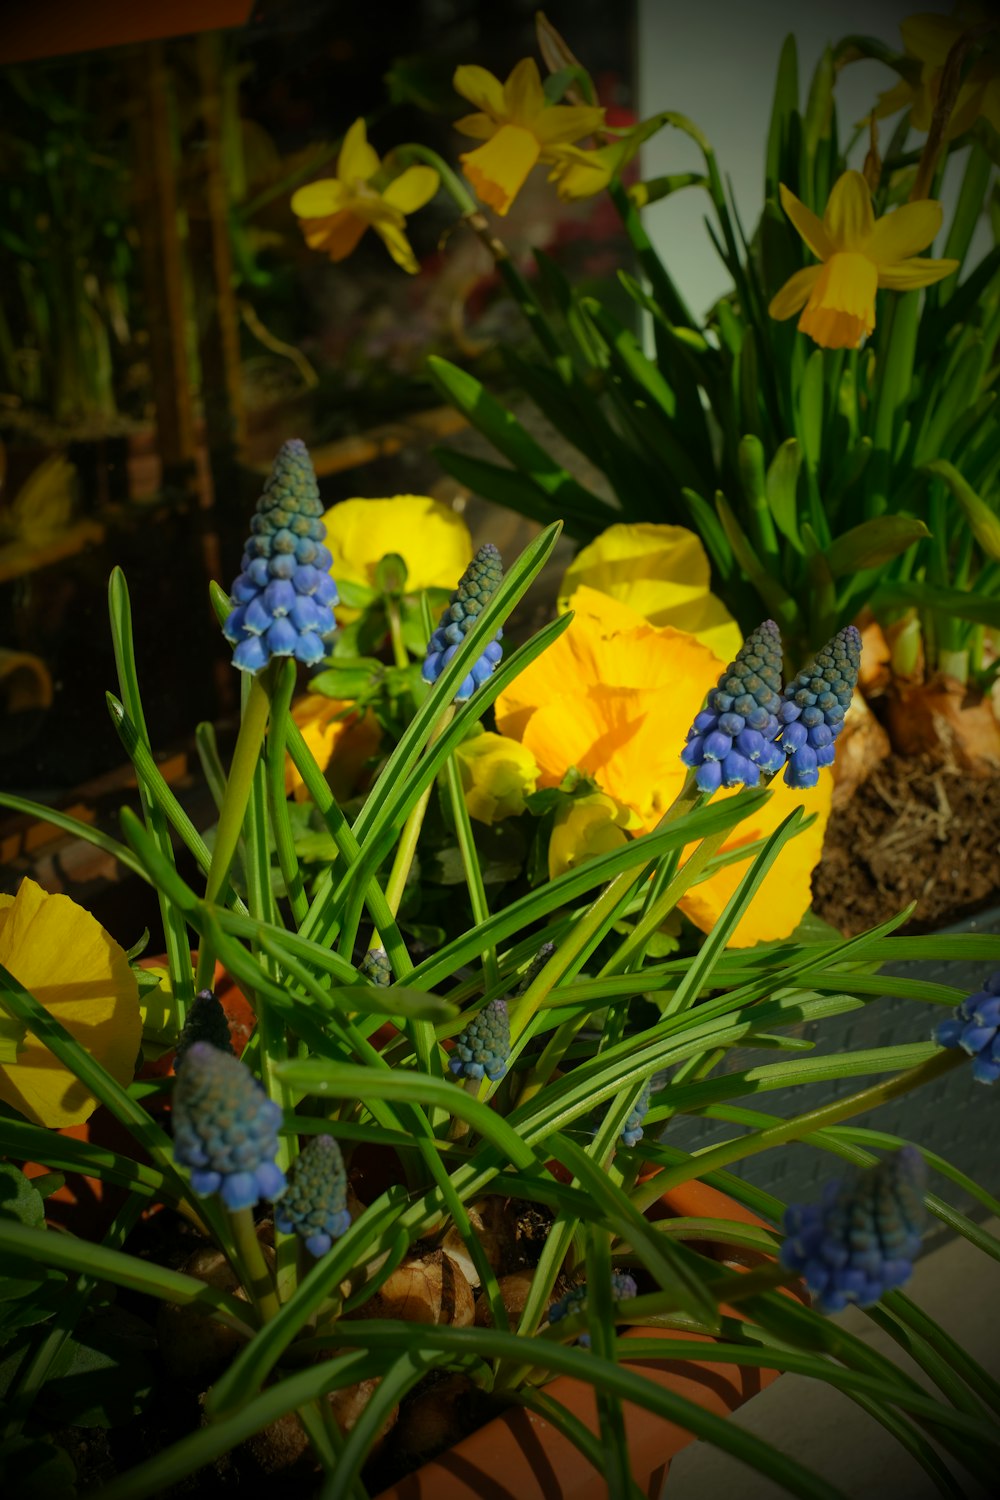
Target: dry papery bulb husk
(283,1447)
(196,1347)
(514,1289)
(426,1288)
(491,1239)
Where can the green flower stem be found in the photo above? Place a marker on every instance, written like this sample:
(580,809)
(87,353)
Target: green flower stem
(450,180)
(470,862)
(400,655)
(630,953)
(251,1267)
(277,801)
(245,758)
(790,1130)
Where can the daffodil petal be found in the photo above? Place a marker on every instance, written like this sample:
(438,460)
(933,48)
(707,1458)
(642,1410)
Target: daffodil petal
(498,169)
(357,161)
(907,275)
(318,199)
(395,241)
(565,123)
(891,101)
(841,306)
(905,232)
(412,189)
(481,88)
(809,225)
(990,106)
(849,219)
(336,235)
(930,37)
(523,96)
(794,295)
(480,126)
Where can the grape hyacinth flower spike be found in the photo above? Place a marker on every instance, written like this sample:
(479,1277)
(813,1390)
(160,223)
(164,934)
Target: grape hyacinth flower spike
(315,1205)
(733,738)
(812,713)
(575,1300)
(484,1045)
(283,596)
(476,588)
(975,1027)
(206,1022)
(226,1129)
(862,1239)
(631,1131)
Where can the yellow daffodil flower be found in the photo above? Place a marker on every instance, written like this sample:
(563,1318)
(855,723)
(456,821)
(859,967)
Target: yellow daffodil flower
(497,774)
(858,255)
(341,740)
(59,952)
(661,573)
(928,39)
(587,826)
(432,540)
(336,211)
(615,702)
(518,127)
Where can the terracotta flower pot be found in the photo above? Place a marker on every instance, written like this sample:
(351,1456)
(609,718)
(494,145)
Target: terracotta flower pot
(520,1456)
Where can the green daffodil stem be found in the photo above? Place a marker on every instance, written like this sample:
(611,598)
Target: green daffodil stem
(251,1267)
(801,1126)
(253,726)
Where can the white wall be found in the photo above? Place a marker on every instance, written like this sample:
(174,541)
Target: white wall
(716,61)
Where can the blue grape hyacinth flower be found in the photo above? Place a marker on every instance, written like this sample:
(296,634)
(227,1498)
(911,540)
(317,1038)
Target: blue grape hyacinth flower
(484,1045)
(283,596)
(476,587)
(814,705)
(226,1129)
(315,1205)
(631,1131)
(575,1300)
(733,738)
(975,1027)
(862,1239)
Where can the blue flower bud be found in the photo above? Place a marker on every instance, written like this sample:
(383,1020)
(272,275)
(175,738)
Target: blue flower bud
(975,1027)
(206,1022)
(484,1045)
(862,1239)
(734,735)
(814,705)
(476,587)
(226,1129)
(575,1300)
(315,1204)
(284,567)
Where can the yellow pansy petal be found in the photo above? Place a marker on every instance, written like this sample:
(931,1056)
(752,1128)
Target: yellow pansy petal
(480,126)
(395,241)
(642,565)
(588,826)
(849,219)
(523,96)
(481,88)
(357,161)
(337,236)
(497,774)
(841,307)
(498,169)
(431,539)
(916,272)
(786,892)
(904,233)
(930,37)
(59,952)
(318,199)
(412,189)
(794,294)
(809,225)
(340,739)
(567,123)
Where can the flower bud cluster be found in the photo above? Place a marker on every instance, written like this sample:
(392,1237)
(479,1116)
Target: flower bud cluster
(206,1022)
(283,595)
(226,1129)
(814,705)
(315,1204)
(376,968)
(975,1027)
(476,587)
(631,1131)
(575,1300)
(484,1045)
(862,1239)
(733,738)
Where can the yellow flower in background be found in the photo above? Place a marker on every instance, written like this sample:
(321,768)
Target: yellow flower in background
(584,828)
(341,738)
(59,952)
(431,539)
(615,702)
(928,39)
(518,127)
(497,774)
(336,211)
(858,255)
(661,573)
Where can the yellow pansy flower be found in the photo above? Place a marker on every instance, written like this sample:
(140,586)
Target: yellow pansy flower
(518,127)
(432,540)
(62,954)
(615,702)
(928,39)
(661,573)
(341,739)
(587,826)
(858,255)
(336,211)
(497,774)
